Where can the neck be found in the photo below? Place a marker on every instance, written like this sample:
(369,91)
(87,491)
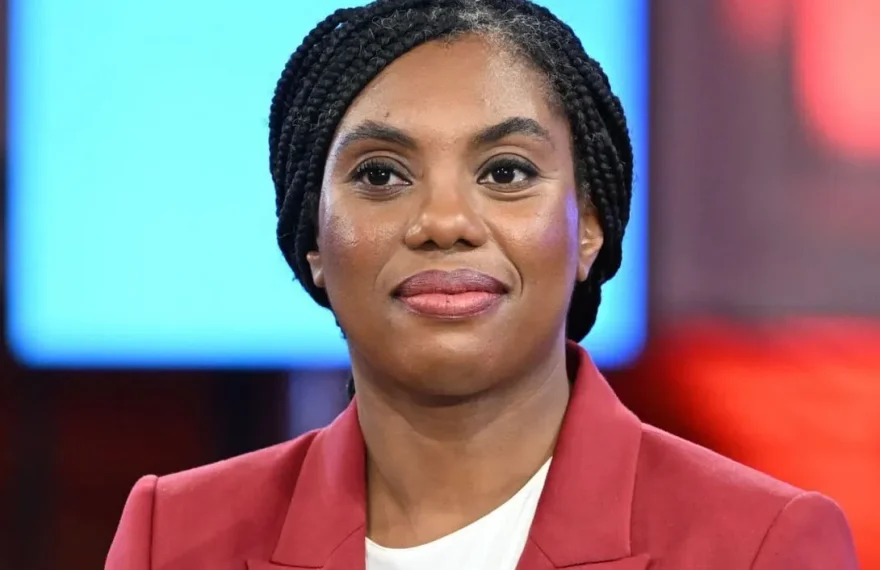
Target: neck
(432,469)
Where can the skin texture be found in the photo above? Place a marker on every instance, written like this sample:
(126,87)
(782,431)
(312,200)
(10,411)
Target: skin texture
(456,414)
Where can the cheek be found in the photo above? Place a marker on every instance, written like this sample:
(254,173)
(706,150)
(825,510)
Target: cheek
(560,235)
(545,253)
(545,243)
(353,248)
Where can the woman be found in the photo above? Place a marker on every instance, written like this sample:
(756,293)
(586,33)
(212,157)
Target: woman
(453,181)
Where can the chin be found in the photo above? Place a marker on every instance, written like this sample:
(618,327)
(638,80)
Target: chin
(457,364)
(454,359)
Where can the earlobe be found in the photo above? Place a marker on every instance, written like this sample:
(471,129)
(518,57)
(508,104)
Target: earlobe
(317,267)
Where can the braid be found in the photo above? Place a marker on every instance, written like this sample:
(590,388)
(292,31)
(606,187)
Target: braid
(604,163)
(352,46)
(302,58)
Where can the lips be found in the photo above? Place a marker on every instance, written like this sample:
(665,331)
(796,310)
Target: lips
(450,294)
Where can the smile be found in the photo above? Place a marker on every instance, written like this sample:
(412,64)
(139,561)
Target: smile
(456,306)
(456,294)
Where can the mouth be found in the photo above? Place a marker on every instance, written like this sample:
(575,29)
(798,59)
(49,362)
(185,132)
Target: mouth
(459,294)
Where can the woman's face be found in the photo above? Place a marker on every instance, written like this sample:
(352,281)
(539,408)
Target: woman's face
(451,233)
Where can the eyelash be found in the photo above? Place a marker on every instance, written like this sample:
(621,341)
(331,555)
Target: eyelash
(505,162)
(513,164)
(375,164)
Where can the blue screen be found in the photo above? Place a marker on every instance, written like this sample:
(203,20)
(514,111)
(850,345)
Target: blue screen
(141,226)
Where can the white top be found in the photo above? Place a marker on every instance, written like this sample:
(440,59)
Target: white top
(495,541)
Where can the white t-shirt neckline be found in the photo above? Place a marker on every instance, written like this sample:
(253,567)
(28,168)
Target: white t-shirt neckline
(496,540)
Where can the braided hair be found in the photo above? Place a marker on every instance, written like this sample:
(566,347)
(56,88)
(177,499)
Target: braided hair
(346,51)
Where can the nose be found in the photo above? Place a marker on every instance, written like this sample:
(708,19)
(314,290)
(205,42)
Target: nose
(447,218)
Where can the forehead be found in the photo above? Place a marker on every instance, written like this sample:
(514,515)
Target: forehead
(454,86)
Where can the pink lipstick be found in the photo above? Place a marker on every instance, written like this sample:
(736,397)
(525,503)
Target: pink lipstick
(450,294)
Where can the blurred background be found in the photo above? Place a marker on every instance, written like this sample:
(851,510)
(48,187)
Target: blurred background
(150,325)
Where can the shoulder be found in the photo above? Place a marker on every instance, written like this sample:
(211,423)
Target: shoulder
(703,506)
(230,509)
(810,531)
(255,487)
(269,471)
(676,466)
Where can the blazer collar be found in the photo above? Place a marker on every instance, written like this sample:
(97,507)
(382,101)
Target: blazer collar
(583,517)
(584,514)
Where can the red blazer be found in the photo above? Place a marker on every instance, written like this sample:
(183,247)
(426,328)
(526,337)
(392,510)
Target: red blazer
(620,495)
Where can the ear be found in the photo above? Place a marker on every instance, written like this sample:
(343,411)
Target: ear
(317,266)
(590,239)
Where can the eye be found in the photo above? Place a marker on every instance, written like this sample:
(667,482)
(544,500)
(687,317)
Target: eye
(378,173)
(508,171)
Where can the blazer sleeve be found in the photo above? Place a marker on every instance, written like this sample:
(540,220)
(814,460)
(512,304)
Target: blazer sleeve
(810,533)
(132,545)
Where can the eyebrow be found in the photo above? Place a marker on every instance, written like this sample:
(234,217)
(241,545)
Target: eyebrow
(372,130)
(509,127)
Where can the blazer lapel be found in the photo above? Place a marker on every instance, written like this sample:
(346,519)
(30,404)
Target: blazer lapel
(350,555)
(583,519)
(584,514)
(533,558)
(325,525)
